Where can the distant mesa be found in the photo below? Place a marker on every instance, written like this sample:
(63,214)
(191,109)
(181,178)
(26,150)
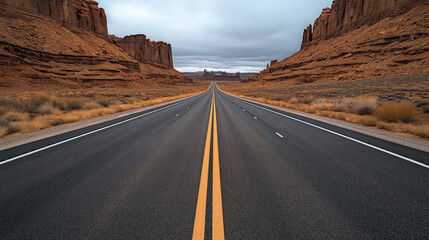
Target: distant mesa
(215,76)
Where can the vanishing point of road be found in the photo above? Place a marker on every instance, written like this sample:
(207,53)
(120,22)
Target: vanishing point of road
(213,166)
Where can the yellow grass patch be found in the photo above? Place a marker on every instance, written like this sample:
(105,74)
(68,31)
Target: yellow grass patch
(396,112)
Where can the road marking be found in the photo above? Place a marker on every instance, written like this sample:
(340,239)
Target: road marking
(341,135)
(278,134)
(218,232)
(200,215)
(85,134)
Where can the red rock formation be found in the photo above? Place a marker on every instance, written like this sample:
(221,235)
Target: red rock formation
(320,28)
(346,15)
(90,17)
(308,35)
(144,50)
(81,13)
(273,62)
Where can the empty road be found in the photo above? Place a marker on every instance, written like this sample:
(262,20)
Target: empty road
(213,167)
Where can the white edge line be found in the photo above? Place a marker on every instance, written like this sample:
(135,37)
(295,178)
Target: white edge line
(338,134)
(88,133)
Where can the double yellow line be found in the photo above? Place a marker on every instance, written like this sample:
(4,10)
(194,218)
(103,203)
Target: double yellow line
(217,214)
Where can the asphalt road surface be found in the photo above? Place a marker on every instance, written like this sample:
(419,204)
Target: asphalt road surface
(213,167)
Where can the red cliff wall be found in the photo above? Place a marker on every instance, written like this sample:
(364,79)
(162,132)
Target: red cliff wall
(346,15)
(144,50)
(90,17)
(81,13)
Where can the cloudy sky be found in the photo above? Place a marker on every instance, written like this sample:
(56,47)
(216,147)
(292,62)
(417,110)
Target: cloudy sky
(228,35)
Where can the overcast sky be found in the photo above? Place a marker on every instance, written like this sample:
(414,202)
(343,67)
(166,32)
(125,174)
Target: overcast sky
(228,35)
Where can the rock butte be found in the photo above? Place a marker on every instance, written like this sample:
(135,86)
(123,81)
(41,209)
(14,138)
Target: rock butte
(145,50)
(358,39)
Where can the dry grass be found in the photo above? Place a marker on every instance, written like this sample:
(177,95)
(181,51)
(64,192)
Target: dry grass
(396,112)
(26,112)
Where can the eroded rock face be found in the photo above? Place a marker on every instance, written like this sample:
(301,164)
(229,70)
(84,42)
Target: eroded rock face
(308,34)
(346,15)
(144,50)
(90,17)
(82,13)
(321,24)
(273,62)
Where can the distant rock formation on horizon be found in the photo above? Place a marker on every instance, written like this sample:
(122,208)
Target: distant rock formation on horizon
(218,76)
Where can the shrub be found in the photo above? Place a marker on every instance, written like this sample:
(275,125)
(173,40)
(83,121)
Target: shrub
(396,112)
(103,102)
(73,103)
(47,108)
(32,103)
(364,105)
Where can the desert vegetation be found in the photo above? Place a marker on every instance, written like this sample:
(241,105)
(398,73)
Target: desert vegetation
(30,111)
(396,107)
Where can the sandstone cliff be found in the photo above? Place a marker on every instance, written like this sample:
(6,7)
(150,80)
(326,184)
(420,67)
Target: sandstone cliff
(346,15)
(339,50)
(144,50)
(90,17)
(81,13)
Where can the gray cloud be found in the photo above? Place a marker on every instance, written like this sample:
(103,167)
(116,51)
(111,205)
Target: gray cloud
(231,35)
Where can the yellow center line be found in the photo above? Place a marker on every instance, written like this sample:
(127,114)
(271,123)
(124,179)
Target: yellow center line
(218,230)
(200,216)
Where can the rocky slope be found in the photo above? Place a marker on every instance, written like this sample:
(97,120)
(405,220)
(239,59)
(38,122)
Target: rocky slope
(360,39)
(144,50)
(64,43)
